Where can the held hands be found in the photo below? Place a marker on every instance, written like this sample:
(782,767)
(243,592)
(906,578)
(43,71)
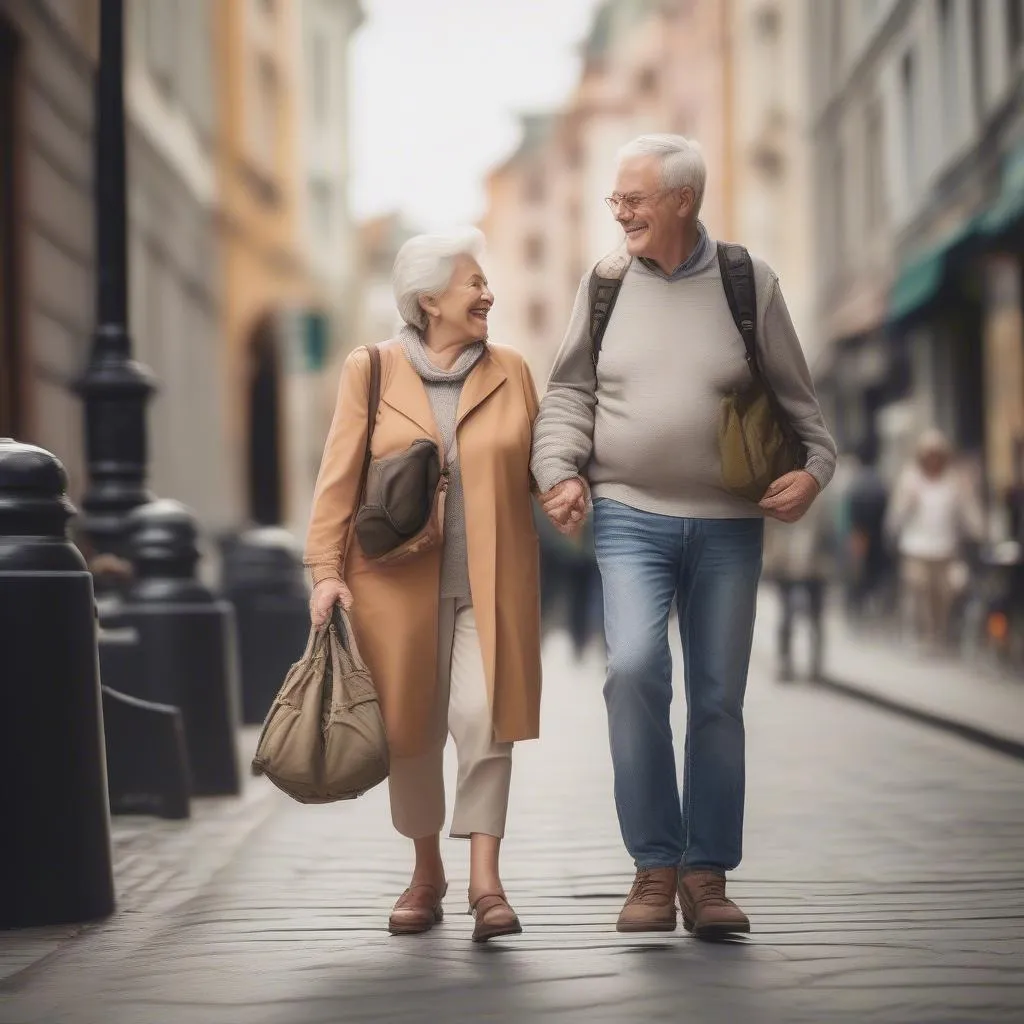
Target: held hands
(790,496)
(566,504)
(326,594)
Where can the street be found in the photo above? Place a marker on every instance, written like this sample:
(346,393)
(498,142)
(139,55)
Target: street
(884,875)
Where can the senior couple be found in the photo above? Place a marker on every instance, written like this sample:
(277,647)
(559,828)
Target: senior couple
(452,636)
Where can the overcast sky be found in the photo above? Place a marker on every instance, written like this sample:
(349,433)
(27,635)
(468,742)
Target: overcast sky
(437,86)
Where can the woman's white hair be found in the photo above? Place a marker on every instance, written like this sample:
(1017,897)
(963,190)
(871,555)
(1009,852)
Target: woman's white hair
(682,161)
(424,267)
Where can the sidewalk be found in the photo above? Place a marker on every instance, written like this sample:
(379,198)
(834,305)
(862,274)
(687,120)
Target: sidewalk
(883,874)
(975,701)
(157,863)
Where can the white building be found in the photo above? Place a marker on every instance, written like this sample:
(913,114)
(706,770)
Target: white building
(917,110)
(173,257)
(328,239)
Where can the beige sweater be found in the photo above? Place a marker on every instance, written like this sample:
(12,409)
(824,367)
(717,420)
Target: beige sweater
(644,427)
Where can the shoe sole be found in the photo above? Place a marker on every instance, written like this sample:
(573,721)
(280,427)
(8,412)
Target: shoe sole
(659,926)
(404,929)
(497,933)
(714,932)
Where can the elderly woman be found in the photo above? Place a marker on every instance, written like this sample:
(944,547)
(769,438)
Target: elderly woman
(932,513)
(451,635)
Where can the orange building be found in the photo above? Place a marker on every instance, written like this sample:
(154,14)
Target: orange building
(265,275)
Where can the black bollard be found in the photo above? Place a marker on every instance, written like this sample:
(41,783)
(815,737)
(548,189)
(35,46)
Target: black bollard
(263,578)
(188,641)
(53,799)
(147,762)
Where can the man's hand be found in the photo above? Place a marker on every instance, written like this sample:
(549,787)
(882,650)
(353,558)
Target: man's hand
(326,594)
(566,504)
(790,496)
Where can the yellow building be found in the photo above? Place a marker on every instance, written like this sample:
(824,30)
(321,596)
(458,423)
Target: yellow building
(264,273)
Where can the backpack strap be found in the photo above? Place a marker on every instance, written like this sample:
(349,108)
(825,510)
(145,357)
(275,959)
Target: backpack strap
(605,283)
(372,405)
(741,293)
(738,281)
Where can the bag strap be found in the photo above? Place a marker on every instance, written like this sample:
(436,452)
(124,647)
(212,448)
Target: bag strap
(738,281)
(346,636)
(605,284)
(741,293)
(372,406)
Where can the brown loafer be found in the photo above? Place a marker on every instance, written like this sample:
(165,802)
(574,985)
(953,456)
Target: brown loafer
(651,904)
(494,916)
(417,910)
(707,911)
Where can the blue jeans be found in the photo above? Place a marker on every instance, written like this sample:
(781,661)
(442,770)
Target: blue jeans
(711,568)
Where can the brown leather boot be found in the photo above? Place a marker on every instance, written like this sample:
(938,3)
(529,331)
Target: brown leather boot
(707,911)
(651,904)
(417,910)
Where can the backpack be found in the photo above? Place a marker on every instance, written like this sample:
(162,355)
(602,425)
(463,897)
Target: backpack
(757,442)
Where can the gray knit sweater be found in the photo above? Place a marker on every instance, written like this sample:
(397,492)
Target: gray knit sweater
(644,427)
(444,388)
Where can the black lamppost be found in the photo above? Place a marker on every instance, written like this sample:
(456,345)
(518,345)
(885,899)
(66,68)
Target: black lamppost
(115,388)
(186,635)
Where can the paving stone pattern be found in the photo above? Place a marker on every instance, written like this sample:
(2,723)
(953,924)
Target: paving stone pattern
(884,873)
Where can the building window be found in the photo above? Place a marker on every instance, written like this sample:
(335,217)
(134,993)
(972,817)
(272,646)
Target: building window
(839,199)
(534,250)
(950,68)
(836,41)
(978,55)
(647,81)
(874,155)
(265,111)
(161,32)
(536,316)
(533,188)
(1014,27)
(766,21)
(321,75)
(321,210)
(908,84)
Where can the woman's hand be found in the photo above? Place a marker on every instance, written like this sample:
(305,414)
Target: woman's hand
(326,594)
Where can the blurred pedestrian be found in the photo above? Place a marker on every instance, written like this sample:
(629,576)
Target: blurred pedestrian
(451,634)
(641,421)
(868,557)
(570,582)
(934,510)
(800,559)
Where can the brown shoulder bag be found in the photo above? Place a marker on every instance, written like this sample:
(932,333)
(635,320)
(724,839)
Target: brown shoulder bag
(402,496)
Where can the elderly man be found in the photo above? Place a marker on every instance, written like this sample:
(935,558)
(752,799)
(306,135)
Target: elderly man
(639,419)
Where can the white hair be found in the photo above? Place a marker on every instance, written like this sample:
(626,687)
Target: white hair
(682,161)
(424,267)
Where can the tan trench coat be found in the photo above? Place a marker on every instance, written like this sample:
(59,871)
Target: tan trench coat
(395,611)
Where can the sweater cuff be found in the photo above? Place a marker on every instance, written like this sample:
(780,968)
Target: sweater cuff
(325,571)
(821,468)
(551,473)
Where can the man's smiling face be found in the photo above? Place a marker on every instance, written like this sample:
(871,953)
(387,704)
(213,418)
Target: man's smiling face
(650,215)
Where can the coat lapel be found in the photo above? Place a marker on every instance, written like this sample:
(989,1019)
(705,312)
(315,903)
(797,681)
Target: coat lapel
(405,393)
(486,378)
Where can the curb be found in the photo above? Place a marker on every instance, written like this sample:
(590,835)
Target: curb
(971,733)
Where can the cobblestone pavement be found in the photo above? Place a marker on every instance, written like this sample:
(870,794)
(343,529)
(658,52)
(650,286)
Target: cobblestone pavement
(884,873)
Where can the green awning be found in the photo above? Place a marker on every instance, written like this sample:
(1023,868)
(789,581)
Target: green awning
(922,278)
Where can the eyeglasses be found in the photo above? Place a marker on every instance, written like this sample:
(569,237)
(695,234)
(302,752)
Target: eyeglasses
(632,201)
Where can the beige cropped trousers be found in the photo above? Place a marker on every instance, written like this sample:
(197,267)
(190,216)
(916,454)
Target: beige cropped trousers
(462,709)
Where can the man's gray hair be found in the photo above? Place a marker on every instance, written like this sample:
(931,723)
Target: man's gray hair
(424,267)
(682,161)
